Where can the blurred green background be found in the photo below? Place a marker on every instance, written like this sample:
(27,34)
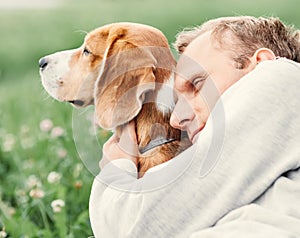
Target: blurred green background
(39,162)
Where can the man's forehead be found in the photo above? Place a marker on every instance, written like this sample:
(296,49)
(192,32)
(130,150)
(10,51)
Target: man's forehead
(188,63)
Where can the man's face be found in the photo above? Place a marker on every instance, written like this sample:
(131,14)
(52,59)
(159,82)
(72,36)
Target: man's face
(204,71)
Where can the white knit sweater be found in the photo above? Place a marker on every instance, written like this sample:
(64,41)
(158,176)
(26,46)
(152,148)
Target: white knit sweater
(241,179)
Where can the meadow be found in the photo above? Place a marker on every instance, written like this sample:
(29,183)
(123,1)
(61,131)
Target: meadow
(49,152)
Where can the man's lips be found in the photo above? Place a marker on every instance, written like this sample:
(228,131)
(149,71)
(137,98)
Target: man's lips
(195,134)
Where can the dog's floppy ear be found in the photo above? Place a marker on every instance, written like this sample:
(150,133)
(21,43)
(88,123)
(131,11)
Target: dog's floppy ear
(126,75)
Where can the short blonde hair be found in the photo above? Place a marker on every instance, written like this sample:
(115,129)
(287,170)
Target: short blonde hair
(249,34)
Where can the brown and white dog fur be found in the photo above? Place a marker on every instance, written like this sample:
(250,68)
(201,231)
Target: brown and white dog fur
(125,70)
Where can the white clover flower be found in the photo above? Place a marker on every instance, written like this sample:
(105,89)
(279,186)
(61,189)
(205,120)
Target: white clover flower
(23,199)
(22,196)
(36,193)
(57,132)
(57,205)
(53,177)
(25,139)
(28,164)
(3,234)
(33,181)
(2,132)
(9,142)
(46,125)
(27,142)
(62,153)
(25,129)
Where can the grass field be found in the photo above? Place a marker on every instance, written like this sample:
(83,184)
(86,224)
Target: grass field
(44,183)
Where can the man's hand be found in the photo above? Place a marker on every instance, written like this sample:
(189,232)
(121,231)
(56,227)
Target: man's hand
(124,147)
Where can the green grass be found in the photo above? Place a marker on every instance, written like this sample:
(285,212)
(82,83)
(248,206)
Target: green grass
(28,154)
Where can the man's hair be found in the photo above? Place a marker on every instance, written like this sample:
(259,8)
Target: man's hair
(243,35)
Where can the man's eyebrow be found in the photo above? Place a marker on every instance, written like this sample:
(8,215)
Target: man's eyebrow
(188,79)
(187,68)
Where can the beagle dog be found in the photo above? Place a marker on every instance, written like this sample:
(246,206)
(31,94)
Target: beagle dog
(126,71)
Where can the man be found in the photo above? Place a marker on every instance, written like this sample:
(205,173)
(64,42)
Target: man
(226,49)
(241,177)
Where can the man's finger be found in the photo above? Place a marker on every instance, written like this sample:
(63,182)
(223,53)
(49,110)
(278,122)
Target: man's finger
(112,140)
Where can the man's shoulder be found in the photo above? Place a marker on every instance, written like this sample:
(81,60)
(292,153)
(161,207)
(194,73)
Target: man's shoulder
(273,73)
(281,64)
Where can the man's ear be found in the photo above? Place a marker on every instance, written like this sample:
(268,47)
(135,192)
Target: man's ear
(263,54)
(127,75)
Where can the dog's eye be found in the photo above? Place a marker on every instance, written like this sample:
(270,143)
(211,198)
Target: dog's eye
(86,52)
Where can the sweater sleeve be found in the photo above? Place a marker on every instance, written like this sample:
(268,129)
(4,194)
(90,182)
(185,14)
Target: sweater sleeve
(274,214)
(250,140)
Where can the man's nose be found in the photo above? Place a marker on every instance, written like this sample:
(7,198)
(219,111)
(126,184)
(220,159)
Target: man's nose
(182,115)
(177,122)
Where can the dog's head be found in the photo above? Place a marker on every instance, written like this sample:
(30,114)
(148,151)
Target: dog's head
(114,69)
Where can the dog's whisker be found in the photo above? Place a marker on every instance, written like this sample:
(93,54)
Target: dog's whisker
(45,96)
(83,111)
(82,32)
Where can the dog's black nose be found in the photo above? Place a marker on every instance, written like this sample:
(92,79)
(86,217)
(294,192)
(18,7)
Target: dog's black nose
(43,62)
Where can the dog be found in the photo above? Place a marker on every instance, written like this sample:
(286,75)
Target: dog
(126,71)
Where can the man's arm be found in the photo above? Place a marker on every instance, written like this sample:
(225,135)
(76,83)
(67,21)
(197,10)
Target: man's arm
(262,134)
